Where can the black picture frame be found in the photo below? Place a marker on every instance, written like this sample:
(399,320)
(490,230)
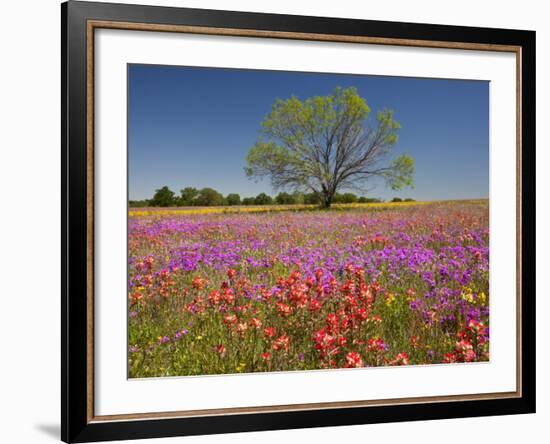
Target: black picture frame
(76,424)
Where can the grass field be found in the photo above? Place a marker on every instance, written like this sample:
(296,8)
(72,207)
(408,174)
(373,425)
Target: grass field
(255,289)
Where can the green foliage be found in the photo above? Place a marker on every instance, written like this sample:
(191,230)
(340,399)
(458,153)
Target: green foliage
(263,199)
(139,203)
(401,173)
(284,199)
(312,198)
(248,201)
(188,196)
(298,198)
(388,126)
(265,158)
(163,197)
(191,196)
(209,197)
(345,198)
(364,199)
(233,199)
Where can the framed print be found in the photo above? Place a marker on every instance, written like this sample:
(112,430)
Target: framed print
(276,221)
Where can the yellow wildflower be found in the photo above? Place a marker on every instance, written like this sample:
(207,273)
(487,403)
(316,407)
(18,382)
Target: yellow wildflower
(482,298)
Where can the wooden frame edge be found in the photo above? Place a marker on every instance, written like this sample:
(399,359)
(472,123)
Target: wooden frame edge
(91,25)
(284,408)
(336,38)
(90,205)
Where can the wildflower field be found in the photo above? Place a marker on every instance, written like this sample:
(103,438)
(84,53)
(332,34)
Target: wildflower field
(213,292)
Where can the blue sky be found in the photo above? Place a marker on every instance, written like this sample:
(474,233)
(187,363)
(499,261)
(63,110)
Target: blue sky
(192,126)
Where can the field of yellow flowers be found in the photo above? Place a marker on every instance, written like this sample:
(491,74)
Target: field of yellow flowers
(159,211)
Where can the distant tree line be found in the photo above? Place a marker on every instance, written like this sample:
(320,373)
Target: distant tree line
(209,197)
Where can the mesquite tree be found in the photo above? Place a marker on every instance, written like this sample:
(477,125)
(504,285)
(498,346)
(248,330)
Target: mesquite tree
(325,144)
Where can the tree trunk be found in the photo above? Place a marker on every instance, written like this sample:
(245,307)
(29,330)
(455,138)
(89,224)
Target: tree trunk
(327,199)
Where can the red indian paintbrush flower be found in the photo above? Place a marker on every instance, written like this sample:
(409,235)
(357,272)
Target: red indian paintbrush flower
(231,273)
(198,283)
(281,343)
(353,359)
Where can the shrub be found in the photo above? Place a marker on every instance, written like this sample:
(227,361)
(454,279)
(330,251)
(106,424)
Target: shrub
(263,199)
(233,199)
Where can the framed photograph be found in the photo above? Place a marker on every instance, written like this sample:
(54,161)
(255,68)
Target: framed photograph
(275,221)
